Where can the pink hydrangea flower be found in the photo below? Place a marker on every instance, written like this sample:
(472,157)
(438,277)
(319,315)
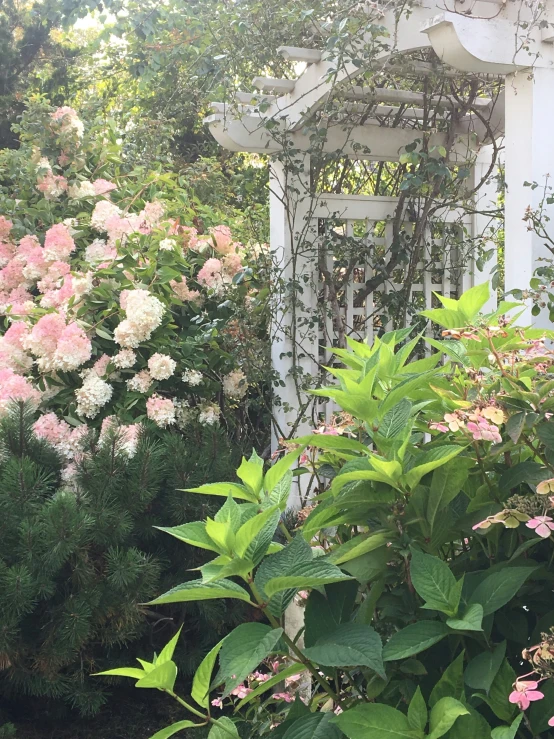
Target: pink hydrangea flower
(101,364)
(120,226)
(483,430)
(455,422)
(51,185)
(543,525)
(217,702)
(182,290)
(12,350)
(525,691)
(52,429)
(210,272)
(232,264)
(223,239)
(101,187)
(7,252)
(58,243)
(438,427)
(15,387)
(153,213)
(5,227)
(190,235)
(260,677)
(160,410)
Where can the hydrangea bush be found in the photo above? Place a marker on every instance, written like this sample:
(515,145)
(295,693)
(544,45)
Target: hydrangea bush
(424,563)
(115,305)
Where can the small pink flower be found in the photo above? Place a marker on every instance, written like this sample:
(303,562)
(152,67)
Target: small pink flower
(217,702)
(484,524)
(455,423)
(551,721)
(438,427)
(241,691)
(287,697)
(543,525)
(260,677)
(524,693)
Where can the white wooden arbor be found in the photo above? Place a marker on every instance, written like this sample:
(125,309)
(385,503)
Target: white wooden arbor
(510,39)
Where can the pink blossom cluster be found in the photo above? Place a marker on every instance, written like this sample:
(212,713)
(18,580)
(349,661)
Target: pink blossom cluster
(481,424)
(183,291)
(108,217)
(57,344)
(68,442)
(14,387)
(68,121)
(127,435)
(258,678)
(28,265)
(12,350)
(160,410)
(217,273)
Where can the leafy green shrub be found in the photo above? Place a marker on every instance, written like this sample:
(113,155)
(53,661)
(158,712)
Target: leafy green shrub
(425,565)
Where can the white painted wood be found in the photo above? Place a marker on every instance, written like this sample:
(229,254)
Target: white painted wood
(409,68)
(407,97)
(290,224)
(297,54)
(485,45)
(486,199)
(249,98)
(271,84)
(529,157)
(371,143)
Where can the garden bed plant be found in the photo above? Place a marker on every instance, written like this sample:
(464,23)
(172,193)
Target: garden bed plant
(424,562)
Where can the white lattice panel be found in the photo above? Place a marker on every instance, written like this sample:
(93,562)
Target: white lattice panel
(441,270)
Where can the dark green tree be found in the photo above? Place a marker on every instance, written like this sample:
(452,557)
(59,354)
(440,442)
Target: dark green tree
(78,558)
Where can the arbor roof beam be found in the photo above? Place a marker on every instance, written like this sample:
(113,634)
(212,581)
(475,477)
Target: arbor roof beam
(298,54)
(271,84)
(369,142)
(407,97)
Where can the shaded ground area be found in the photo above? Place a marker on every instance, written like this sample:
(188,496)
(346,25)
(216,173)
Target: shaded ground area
(127,716)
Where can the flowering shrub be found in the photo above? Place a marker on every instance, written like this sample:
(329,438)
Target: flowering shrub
(424,565)
(113,304)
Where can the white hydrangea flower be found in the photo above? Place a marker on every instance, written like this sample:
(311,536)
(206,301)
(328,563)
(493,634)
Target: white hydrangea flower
(209,414)
(184,414)
(235,385)
(43,165)
(140,382)
(192,377)
(96,251)
(103,210)
(124,359)
(81,190)
(161,366)
(167,244)
(144,315)
(93,395)
(72,225)
(82,283)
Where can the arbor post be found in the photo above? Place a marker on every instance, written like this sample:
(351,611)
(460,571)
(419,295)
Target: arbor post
(294,340)
(529,158)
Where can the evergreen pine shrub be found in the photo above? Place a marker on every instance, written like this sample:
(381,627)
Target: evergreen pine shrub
(79,555)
